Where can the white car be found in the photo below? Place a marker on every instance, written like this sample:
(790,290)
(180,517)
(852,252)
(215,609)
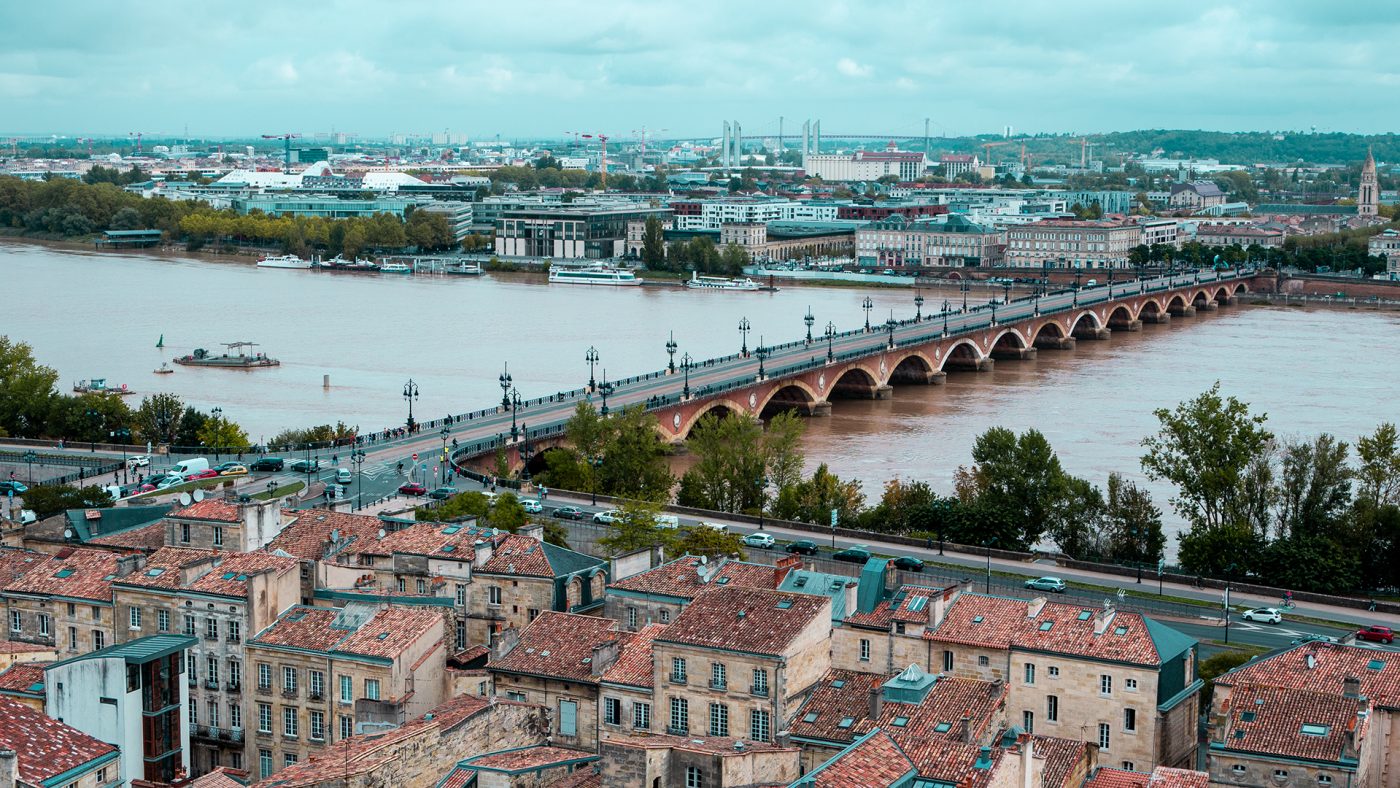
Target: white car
(1268,615)
(606,517)
(138,461)
(760,539)
(170,481)
(532,506)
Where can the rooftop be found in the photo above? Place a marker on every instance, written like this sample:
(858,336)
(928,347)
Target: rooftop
(517,554)
(757,621)
(354,630)
(213,509)
(1291,723)
(527,759)
(1322,668)
(205,571)
(875,760)
(90,524)
(634,662)
(73,573)
(312,531)
(913,702)
(44,747)
(909,604)
(683,578)
(24,678)
(560,646)
(138,651)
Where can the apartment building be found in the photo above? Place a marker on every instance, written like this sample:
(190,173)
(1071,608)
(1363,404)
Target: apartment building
(37,751)
(658,595)
(891,634)
(1387,245)
(224,524)
(24,682)
(64,600)
(737,661)
(897,242)
(1066,243)
(519,577)
(865,165)
(219,598)
(321,675)
(705,761)
(1241,235)
(626,686)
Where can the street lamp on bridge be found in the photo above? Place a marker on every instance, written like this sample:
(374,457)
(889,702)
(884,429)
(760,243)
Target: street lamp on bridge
(762,353)
(514,406)
(809,319)
(945,316)
(592,358)
(526,452)
(744,327)
(605,388)
(505,380)
(671,353)
(867,305)
(993,305)
(830,337)
(410,393)
(687,363)
(963,285)
(918,308)
(446,434)
(890,326)
(1006,292)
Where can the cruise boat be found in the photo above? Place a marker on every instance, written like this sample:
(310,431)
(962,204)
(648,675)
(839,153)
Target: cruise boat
(462,268)
(99,386)
(396,268)
(698,282)
(358,265)
(595,274)
(283,261)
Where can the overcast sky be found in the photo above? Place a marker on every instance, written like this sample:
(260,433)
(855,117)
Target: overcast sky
(538,68)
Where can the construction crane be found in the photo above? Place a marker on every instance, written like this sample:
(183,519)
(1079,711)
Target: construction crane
(603,159)
(987,149)
(137,135)
(642,135)
(286,149)
(1086,149)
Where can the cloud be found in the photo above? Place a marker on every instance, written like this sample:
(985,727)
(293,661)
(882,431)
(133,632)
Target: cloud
(851,68)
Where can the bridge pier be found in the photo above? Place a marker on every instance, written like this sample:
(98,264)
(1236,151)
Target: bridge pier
(1014,353)
(919,377)
(1157,317)
(884,392)
(1130,325)
(1185,311)
(1231,300)
(1089,332)
(1054,343)
(971,365)
(822,408)
(1209,306)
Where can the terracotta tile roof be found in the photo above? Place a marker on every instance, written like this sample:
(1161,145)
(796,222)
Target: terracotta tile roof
(753,620)
(215,509)
(710,745)
(220,777)
(22,677)
(681,578)
(457,778)
(1272,721)
(1062,757)
(20,647)
(213,571)
(1163,777)
(841,694)
(146,539)
(584,777)
(634,666)
(874,762)
(910,604)
(560,645)
(45,747)
(309,535)
(944,759)
(384,634)
(1105,777)
(940,713)
(527,758)
(14,563)
(997,622)
(80,574)
(438,540)
(515,554)
(1331,664)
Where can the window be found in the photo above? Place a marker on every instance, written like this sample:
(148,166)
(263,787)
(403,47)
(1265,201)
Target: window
(460,634)
(631,617)
(99,639)
(185,532)
(1128,766)
(235,716)
(665,616)
(211,628)
(318,725)
(534,613)
(1280,775)
(347,727)
(678,670)
(1239,770)
(983,661)
(719,719)
(264,718)
(235,631)
(102,776)
(289,722)
(72,638)
(1324,779)
(461,594)
(612,711)
(1053,671)
(1130,685)
(641,716)
(947,660)
(760,725)
(1052,708)
(694,778)
(163,620)
(864,650)
(317,680)
(265,763)
(44,625)
(134,616)
(1129,719)
(1028,721)
(1030,672)
(718,678)
(236,759)
(289,679)
(289,759)
(1103,735)
(760,681)
(493,595)
(264,676)
(218,536)
(372,689)
(212,666)
(347,691)
(403,585)
(1105,684)
(422,586)
(680,716)
(189,625)
(214,713)
(235,673)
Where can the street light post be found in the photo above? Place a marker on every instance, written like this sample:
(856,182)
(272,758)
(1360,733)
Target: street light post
(29,458)
(762,353)
(830,338)
(671,347)
(505,380)
(514,406)
(686,364)
(218,414)
(358,459)
(918,308)
(993,305)
(989,565)
(964,287)
(592,358)
(889,327)
(744,327)
(809,319)
(1006,292)
(410,393)
(446,434)
(605,388)
(867,305)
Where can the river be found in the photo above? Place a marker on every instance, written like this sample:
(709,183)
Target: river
(99,315)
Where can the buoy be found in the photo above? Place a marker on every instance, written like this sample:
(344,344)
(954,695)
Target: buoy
(325,381)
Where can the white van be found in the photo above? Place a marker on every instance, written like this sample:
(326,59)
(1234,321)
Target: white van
(191,466)
(668,521)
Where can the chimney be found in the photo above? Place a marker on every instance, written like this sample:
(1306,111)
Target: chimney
(1103,618)
(506,641)
(965,729)
(127,564)
(785,565)
(9,769)
(877,701)
(783,738)
(604,655)
(1034,607)
(1351,687)
(483,549)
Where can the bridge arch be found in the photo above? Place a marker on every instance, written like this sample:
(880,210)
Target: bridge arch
(1201,298)
(1177,305)
(1121,316)
(963,354)
(722,407)
(1008,339)
(855,381)
(1222,295)
(1079,318)
(1240,287)
(1150,307)
(1050,329)
(792,395)
(913,367)
(539,461)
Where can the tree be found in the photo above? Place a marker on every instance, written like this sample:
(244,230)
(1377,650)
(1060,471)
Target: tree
(729,474)
(1216,666)
(709,542)
(191,423)
(1223,551)
(1077,523)
(733,260)
(653,244)
(1314,493)
(126,219)
(507,513)
(87,417)
(158,418)
(458,507)
(52,499)
(811,501)
(1134,524)
(1206,447)
(222,434)
(1378,476)
(782,448)
(634,459)
(1023,475)
(26,390)
(633,529)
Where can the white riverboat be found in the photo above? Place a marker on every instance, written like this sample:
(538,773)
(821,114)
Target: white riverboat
(594,274)
(698,282)
(283,261)
(396,268)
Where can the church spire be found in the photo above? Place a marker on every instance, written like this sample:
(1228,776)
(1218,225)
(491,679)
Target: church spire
(1368,195)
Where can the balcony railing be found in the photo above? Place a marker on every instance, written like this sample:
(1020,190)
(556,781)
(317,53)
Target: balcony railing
(678,731)
(234,686)
(761,692)
(316,695)
(264,689)
(235,734)
(719,685)
(212,684)
(289,693)
(677,678)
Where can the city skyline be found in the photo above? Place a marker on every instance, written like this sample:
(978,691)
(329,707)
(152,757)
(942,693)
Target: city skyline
(681,71)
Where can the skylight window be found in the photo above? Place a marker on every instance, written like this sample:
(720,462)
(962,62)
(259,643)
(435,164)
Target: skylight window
(1045,625)
(157,572)
(1085,615)
(1120,630)
(943,727)
(811,716)
(838,684)
(1314,729)
(917,603)
(1247,716)
(978,619)
(784,604)
(723,581)
(846,722)
(1376,664)
(64,572)
(799,582)
(900,722)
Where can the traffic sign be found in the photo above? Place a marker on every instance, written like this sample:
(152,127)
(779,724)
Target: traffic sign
(415,455)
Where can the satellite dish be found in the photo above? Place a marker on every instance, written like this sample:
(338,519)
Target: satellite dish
(381,533)
(704,560)
(184,499)
(67,533)
(198,495)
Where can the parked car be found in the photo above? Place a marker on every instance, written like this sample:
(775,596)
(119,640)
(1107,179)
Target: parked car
(908,563)
(170,480)
(265,464)
(343,476)
(531,506)
(606,517)
(721,527)
(1052,584)
(1313,638)
(223,466)
(138,461)
(412,488)
(1268,615)
(207,473)
(1375,634)
(760,539)
(306,466)
(234,470)
(855,555)
(188,468)
(568,513)
(802,547)
(442,493)
(18,488)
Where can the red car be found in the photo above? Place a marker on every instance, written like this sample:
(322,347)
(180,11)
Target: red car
(205,474)
(413,488)
(1376,634)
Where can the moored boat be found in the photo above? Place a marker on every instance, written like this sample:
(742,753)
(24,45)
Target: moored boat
(697,282)
(593,274)
(99,386)
(396,268)
(228,360)
(283,261)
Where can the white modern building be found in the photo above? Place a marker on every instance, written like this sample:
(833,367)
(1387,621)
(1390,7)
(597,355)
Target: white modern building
(866,165)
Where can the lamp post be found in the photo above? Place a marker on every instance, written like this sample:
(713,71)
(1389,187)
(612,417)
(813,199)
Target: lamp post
(744,328)
(918,308)
(867,305)
(762,353)
(357,458)
(686,364)
(605,388)
(964,287)
(993,305)
(446,434)
(271,488)
(410,393)
(29,457)
(889,327)
(671,347)
(809,319)
(594,462)
(830,338)
(125,434)
(1006,292)
(1076,287)
(96,419)
(218,414)
(762,496)
(525,453)
(514,406)
(505,380)
(989,544)
(592,358)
